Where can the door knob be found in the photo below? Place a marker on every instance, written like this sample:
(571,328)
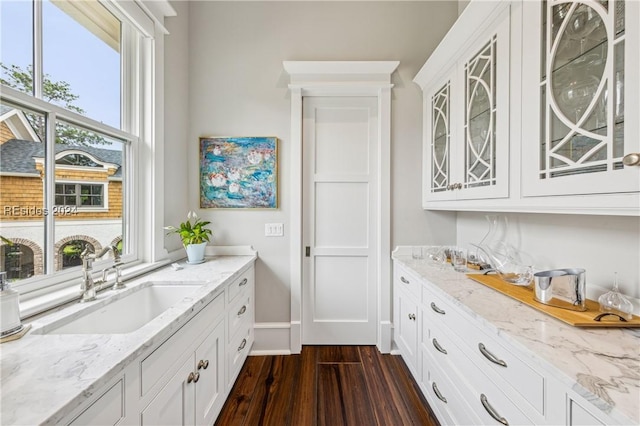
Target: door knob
(632,159)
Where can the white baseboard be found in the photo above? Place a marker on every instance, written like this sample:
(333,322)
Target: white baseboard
(271,338)
(385,337)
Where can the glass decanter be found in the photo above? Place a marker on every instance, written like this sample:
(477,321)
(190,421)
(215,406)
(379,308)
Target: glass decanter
(615,302)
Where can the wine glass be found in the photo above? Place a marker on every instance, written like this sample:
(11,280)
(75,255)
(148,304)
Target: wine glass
(615,302)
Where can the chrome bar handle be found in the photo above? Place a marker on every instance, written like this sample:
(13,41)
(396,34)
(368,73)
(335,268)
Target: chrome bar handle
(438,347)
(404,280)
(437,392)
(437,309)
(491,357)
(492,412)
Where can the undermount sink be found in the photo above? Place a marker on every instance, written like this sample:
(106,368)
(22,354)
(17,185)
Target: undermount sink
(125,314)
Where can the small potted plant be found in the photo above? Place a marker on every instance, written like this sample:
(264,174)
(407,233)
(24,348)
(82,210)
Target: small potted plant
(194,236)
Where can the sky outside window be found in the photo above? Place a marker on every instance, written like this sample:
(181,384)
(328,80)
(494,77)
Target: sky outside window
(71,53)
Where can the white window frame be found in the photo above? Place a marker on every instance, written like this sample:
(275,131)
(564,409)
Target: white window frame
(142,84)
(105,195)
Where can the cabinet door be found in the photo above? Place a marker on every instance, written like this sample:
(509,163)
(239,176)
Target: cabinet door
(466,118)
(482,156)
(210,390)
(406,327)
(438,138)
(580,80)
(174,404)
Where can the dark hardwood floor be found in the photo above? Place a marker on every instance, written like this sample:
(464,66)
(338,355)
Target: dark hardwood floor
(326,386)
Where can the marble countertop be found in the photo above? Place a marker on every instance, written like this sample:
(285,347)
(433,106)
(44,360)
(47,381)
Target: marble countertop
(601,365)
(45,376)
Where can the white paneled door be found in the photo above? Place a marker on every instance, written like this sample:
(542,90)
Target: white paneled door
(340,188)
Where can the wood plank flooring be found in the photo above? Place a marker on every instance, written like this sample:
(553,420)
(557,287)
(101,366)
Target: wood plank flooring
(326,386)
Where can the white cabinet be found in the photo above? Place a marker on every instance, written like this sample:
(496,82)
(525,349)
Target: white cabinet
(580,80)
(185,379)
(466,112)
(546,132)
(240,319)
(406,317)
(470,375)
(107,409)
(195,393)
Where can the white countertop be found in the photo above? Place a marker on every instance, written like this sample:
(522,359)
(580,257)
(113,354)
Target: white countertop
(44,377)
(602,365)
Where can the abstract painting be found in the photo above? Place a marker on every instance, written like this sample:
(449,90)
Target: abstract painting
(238,172)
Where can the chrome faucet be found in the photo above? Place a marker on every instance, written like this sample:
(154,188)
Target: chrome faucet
(88,284)
(117,265)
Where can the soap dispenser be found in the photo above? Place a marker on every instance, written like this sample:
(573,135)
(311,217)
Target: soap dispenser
(9,308)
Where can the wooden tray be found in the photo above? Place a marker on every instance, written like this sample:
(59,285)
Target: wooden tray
(574,318)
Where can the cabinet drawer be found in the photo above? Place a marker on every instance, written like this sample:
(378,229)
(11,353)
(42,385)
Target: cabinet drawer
(442,393)
(406,280)
(239,315)
(159,362)
(237,352)
(239,284)
(486,352)
(108,409)
(485,397)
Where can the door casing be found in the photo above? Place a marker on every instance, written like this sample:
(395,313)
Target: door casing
(342,78)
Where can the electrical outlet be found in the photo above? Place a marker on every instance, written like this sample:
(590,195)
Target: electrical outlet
(273,229)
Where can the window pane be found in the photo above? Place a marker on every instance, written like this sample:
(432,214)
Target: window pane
(81,58)
(22,175)
(91,190)
(16,44)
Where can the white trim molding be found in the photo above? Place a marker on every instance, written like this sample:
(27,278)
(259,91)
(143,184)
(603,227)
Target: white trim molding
(342,78)
(271,338)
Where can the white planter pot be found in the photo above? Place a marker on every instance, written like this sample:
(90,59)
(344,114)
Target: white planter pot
(195,252)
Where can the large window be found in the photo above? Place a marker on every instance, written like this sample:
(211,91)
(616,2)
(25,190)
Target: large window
(69,112)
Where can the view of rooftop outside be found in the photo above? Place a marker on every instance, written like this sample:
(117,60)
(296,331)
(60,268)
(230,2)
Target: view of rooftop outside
(81,64)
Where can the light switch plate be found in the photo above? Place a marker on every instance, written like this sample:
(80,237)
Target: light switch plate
(273,229)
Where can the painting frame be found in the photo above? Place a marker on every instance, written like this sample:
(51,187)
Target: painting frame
(238,172)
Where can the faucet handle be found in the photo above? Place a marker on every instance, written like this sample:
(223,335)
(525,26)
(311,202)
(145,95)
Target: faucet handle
(116,254)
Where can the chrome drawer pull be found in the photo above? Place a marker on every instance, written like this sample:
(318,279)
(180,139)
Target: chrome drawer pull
(438,394)
(491,357)
(242,310)
(404,280)
(242,345)
(196,377)
(438,347)
(190,377)
(243,282)
(438,310)
(412,317)
(203,364)
(492,412)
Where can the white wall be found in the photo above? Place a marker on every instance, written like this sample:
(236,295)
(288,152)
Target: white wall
(601,245)
(177,134)
(227,77)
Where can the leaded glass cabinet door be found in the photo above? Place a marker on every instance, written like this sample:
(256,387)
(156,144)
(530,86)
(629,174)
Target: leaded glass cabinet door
(581,81)
(438,137)
(483,145)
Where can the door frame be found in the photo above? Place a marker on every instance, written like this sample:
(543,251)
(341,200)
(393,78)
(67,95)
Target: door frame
(342,78)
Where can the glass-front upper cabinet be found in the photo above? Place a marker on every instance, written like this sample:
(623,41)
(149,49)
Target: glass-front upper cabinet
(580,80)
(466,116)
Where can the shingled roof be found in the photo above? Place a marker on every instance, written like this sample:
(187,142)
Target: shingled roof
(17,156)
